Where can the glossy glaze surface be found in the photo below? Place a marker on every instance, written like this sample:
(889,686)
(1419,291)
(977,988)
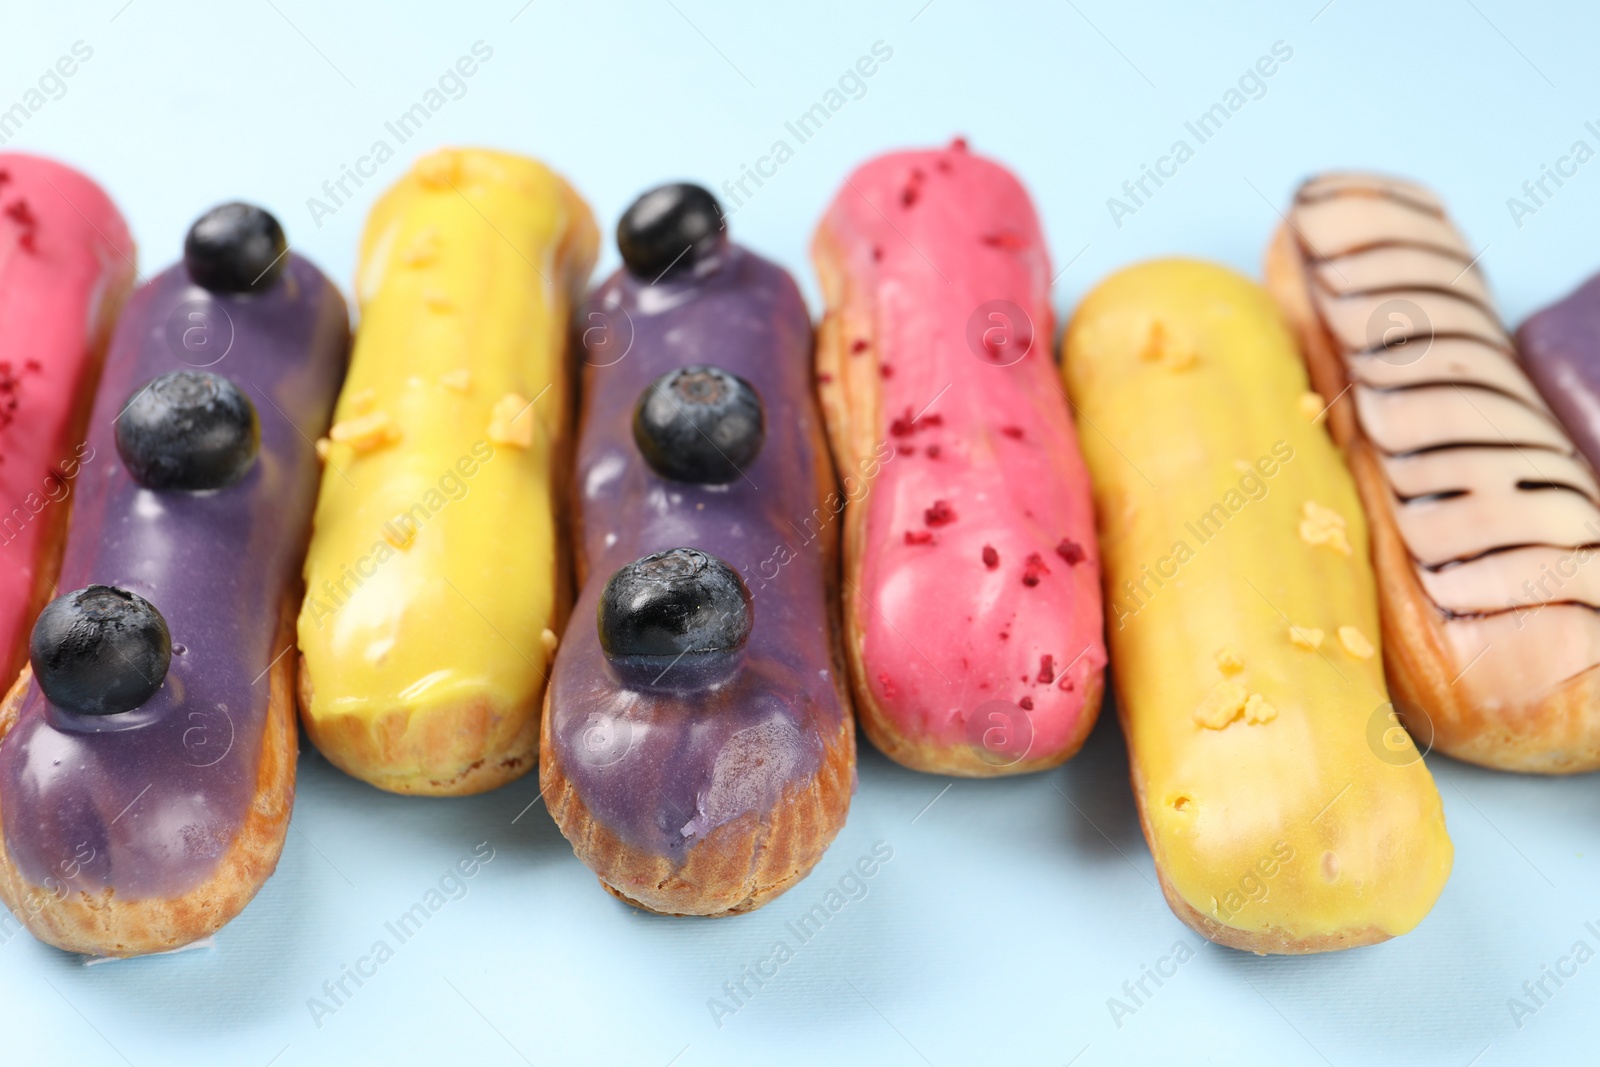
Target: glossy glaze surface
(147,801)
(1277,791)
(1560,349)
(432,583)
(977,577)
(66,264)
(664,757)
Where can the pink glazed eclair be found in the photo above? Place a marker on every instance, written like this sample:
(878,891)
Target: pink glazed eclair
(66,267)
(972,578)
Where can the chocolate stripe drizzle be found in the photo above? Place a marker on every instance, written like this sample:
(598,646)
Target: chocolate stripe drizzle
(1308,196)
(1468,485)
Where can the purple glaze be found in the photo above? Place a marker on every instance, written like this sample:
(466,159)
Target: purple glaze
(662,763)
(146,802)
(1560,349)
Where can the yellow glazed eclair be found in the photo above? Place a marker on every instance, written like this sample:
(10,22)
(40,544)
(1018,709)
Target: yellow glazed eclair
(436,580)
(1285,808)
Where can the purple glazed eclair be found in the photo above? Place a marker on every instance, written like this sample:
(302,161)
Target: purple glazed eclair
(1560,349)
(697,749)
(147,754)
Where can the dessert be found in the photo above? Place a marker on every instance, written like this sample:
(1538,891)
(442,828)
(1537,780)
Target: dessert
(1560,350)
(147,755)
(1479,504)
(697,749)
(66,265)
(436,582)
(972,611)
(1286,810)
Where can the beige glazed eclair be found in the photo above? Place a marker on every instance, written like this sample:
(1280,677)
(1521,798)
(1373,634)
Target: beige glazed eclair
(1480,505)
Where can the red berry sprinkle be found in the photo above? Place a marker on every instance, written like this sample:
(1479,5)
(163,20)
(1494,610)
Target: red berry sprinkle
(888,686)
(933,451)
(941,514)
(1010,240)
(908,424)
(877,254)
(23,216)
(1013,432)
(1047,669)
(1026,703)
(991,558)
(1070,551)
(886,370)
(858,346)
(958,145)
(10,393)
(1034,570)
(1005,636)
(905,450)
(823,378)
(908,195)
(919,537)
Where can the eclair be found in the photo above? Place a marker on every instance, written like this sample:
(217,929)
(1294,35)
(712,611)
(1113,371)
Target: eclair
(697,749)
(66,266)
(1286,810)
(1560,349)
(436,581)
(1479,503)
(147,754)
(972,612)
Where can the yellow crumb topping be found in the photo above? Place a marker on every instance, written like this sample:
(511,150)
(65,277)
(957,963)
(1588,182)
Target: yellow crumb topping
(1323,526)
(1222,705)
(1306,636)
(365,432)
(1257,710)
(1355,642)
(511,421)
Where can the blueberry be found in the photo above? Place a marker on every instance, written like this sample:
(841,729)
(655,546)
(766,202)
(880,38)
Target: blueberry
(699,424)
(235,248)
(100,650)
(669,228)
(188,429)
(674,602)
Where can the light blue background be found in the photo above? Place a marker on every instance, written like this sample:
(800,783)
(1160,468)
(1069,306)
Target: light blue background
(1011,910)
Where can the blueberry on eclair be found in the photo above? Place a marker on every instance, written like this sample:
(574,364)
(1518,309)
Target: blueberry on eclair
(699,424)
(674,602)
(669,229)
(235,248)
(188,429)
(100,650)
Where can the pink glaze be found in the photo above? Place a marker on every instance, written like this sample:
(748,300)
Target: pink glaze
(981,577)
(66,263)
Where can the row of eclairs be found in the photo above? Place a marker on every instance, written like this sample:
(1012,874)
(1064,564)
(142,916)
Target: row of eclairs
(668,541)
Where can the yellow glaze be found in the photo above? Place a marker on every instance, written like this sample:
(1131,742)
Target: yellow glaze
(1280,798)
(434,582)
